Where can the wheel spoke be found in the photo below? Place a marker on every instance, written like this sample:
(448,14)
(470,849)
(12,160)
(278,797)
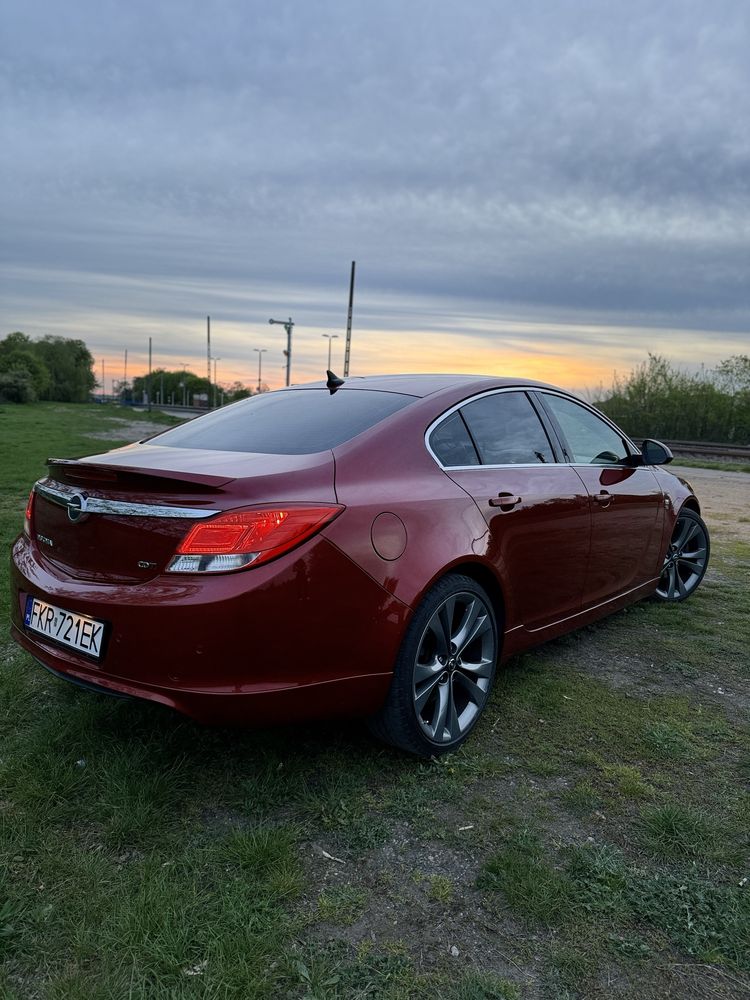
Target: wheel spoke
(442,626)
(482,668)
(454,725)
(680,584)
(474,691)
(681,532)
(474,623)
(699,555)
(672,584)
(427,671)
(691,564)
(441,712)
(423,691)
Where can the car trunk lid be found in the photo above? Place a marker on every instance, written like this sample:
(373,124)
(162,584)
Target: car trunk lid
(119,517)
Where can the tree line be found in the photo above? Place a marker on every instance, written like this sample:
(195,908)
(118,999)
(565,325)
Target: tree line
(182,388)
(50,368)
(658,400)
(60,369)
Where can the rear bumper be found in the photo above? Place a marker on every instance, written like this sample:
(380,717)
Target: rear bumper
(307,636)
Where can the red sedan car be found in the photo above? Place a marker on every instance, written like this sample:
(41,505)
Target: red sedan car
(368,548)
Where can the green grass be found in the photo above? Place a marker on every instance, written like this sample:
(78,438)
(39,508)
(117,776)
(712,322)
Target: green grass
(595,825)
(698,463)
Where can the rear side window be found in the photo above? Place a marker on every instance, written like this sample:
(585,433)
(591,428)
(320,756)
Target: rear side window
(451,443)
(506,430)
(290,422)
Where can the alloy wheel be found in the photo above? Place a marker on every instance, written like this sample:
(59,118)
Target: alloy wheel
(454,667)
(686,559)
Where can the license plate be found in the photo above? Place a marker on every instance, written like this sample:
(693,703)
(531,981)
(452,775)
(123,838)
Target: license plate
(77,631)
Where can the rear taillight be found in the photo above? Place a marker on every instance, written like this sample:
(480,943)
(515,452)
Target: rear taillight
(249,537)
(27,521)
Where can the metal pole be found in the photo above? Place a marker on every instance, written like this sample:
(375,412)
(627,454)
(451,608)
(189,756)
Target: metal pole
(348,350)
(261,351)
(216,386)
(149,374)
(208,351)
(161,390)
(287,324)
(103,392)
(125,377)
(330,336)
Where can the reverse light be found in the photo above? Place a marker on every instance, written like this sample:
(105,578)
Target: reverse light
(248,537)
(28,515)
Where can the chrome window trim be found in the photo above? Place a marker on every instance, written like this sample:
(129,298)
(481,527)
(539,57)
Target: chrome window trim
(523,465)
(471,399)
(96,505)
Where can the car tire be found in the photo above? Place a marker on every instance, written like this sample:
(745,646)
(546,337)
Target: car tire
(686,559)
(444,670)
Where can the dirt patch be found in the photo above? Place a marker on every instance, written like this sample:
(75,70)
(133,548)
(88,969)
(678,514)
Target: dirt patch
(723,497)
(127,430)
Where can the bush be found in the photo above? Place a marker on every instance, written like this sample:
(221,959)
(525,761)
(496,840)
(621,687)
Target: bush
(17,386)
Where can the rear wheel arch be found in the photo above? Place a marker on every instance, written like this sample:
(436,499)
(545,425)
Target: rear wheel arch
(490,583)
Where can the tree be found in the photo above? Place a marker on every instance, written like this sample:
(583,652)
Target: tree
(71,368)
(18,354)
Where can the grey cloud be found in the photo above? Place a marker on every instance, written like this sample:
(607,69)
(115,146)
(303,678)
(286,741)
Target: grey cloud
(586,158)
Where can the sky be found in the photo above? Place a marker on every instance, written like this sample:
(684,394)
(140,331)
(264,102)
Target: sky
(550,189)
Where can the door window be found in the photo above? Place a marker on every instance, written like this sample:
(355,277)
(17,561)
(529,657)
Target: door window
(506,430)
(590,439)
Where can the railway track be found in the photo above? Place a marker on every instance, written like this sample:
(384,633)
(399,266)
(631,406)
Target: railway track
(708,449)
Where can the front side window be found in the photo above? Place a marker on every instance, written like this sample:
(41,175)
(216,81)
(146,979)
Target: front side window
(506,430)
(590,439)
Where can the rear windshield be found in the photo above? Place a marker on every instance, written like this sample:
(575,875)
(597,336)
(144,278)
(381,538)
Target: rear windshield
(292,422)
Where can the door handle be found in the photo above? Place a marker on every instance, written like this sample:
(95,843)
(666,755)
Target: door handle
(604,498)
(505,501)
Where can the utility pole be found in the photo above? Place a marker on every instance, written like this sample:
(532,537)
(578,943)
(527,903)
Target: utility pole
(216,386)
(348,350)
(330,336)
(208,350)
(149,374)
(261,351)
(103,392)
(125,377)
(287,324)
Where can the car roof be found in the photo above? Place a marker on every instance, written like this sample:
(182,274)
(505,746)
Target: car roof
(421,385)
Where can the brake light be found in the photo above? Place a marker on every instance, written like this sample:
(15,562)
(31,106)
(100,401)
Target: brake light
(248,537)
(28,515)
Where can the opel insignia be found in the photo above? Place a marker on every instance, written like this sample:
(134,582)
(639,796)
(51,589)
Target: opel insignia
(371,547)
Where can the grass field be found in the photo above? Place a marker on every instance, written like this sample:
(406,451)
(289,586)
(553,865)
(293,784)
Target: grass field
(591,840)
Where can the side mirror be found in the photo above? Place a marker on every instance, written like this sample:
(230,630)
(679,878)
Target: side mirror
(655,453)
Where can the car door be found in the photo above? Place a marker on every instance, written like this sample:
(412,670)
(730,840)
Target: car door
(495,447)
(627,503)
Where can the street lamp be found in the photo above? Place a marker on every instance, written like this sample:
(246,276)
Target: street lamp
(287,324)
(330,336)
(216,393)
(261,351)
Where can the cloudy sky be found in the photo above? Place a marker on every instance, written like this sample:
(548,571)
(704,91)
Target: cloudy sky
(549,187)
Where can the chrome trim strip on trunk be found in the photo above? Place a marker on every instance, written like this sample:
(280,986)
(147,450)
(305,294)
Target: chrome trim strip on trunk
(96,505)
